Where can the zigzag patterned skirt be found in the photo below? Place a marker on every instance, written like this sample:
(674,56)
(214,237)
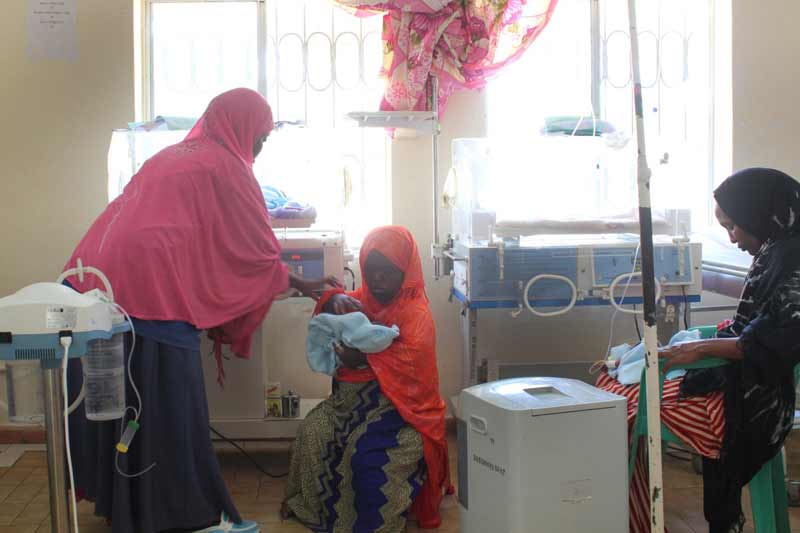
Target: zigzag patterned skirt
(356,465)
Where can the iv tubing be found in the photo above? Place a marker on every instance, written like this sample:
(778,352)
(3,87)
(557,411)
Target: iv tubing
(540,277)
(66,342)
(80,270)
(78,400)
(628,275)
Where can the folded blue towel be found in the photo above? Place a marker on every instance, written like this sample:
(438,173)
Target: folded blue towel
(282,207)
(295,210)
(632,360)
(353,330)
(273,197)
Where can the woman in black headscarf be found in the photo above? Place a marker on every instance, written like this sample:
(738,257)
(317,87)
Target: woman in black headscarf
(759,208)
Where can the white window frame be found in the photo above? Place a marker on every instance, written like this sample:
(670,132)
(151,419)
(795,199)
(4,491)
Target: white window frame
(146,46)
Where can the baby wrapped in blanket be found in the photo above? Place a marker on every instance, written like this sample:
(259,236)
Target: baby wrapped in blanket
(327,331)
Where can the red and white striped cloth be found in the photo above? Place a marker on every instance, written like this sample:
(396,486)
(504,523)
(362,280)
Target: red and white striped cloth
(699,422)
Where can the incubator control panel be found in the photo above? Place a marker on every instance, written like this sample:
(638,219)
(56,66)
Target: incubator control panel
(313,254)
(495,275)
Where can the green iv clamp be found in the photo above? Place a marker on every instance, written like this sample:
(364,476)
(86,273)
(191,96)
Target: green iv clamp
(127,436)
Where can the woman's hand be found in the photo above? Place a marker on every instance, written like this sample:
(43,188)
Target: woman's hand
(682,354)
(342,304)
(350,357)
(311,287)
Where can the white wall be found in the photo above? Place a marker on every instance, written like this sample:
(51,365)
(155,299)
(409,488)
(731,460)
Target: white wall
(765,80)
(57,118)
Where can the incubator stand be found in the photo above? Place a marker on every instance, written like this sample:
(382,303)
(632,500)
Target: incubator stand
(548,263)
(56,450)
(278,350)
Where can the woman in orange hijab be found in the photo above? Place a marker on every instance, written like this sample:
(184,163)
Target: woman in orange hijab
(376,448)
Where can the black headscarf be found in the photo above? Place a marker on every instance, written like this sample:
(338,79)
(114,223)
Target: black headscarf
(762,201)
(765,203)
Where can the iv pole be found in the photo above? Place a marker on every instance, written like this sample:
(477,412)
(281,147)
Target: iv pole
(648,292)
(437,251)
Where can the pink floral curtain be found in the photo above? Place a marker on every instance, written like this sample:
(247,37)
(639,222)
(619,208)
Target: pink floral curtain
(462,42)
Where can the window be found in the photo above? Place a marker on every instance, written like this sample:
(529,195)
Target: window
(553,78)
(581,66)
(199,50)
(315,63)
(675,52)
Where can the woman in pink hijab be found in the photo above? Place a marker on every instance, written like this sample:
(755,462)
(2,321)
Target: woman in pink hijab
(187,247)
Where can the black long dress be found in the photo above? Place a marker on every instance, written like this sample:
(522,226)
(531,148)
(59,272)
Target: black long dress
(185,491)
(759,390)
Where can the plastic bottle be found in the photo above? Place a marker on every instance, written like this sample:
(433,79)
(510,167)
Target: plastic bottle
(104,378)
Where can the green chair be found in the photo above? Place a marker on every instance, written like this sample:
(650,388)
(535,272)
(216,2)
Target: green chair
(768,495)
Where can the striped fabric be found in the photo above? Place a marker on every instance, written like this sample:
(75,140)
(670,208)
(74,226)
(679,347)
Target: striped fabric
(699,422)
(356,465)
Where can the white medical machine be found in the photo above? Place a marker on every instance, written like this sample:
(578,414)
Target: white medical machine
(313,253)
(278,352)
(542,455)
(529,251)
(50,323)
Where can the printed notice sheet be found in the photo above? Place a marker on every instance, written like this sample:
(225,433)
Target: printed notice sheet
(51,29)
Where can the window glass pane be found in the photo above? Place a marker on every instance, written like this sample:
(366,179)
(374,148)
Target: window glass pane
(675,48)
(200,49)
(330,68)
(554,78)
(323,54)
(544,177)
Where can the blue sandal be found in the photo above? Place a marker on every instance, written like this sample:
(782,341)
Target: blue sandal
(226,525)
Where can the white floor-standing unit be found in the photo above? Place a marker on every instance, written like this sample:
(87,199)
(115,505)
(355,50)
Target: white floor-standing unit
(542,455)
(278,352)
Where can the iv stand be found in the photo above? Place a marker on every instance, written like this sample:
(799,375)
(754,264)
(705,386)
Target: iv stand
(437,251)
(56,449)
(656,496)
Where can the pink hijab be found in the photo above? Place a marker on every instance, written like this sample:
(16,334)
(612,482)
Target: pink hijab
(189,239)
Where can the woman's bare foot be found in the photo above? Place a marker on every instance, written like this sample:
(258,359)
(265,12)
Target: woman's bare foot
(286,512)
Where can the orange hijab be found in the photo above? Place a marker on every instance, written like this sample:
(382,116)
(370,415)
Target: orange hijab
(407,371)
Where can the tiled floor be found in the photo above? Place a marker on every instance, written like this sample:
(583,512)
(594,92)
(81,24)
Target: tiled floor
(24,495)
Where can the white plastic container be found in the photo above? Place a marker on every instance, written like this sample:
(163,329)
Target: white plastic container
(104,379)
(25,392)
(542,455)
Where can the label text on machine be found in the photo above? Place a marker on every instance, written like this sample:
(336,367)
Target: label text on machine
(491,466)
